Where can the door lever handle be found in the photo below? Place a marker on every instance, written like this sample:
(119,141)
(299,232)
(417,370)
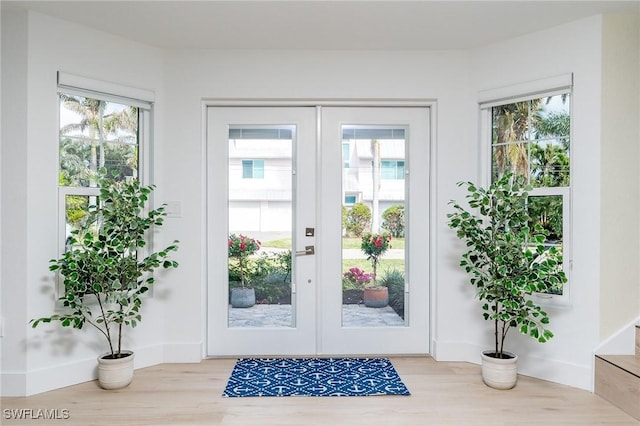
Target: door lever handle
(308,250)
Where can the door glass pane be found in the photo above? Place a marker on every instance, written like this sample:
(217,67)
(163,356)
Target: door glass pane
(373,255)
(260,226)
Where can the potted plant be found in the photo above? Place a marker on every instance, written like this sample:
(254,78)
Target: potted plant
(508,261)
(106,272)
(240,248)
(374,246)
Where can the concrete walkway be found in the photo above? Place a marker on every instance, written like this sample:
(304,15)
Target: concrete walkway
(275,316)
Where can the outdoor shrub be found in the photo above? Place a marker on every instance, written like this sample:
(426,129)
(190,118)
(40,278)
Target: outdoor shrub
(283,261)
(273,289)
(345,218)
(393,279)
(268,274)
(393,220)
(356,278)
(358,219)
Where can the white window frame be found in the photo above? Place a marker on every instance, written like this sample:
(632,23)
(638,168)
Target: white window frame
(517,93)
(142,99)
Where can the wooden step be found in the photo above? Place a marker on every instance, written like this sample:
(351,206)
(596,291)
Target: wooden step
(638,341)
(617,380)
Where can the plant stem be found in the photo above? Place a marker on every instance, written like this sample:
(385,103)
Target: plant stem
(106,331)
(120,332)
(240,261)
(505,329)
(496,333)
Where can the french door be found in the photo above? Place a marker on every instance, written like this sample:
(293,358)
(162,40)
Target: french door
(291,193)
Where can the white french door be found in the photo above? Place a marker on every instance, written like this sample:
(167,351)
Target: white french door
(289,177)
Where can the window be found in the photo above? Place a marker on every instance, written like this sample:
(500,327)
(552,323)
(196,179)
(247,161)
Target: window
(531,137)
(346,155)
(350,200)
(96,130)
(252,169)
(392,169)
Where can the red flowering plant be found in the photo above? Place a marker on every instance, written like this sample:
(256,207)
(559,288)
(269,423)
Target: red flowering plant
(374,246)
(240,248)
(357,277)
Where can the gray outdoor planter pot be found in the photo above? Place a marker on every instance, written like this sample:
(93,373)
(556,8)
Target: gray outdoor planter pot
(243,297)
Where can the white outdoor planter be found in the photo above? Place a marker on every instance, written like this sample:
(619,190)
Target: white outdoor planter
(499,373)
(115,373)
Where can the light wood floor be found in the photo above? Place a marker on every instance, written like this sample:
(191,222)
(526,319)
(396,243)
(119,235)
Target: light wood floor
(442,394)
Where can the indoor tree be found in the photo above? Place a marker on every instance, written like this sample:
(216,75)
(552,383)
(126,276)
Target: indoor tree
(506,259)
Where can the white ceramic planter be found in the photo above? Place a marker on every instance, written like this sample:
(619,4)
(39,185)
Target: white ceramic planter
(499,373)
(115,373)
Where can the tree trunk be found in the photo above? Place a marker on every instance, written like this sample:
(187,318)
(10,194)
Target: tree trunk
(375,211)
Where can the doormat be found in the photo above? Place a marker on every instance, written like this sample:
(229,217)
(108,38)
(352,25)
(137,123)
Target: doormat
(314,377)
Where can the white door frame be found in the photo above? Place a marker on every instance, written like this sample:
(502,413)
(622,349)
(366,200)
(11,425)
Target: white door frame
(260,102)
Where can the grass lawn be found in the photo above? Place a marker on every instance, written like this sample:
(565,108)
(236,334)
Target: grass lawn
(284,243)
(353,243)
(365,265)
(347,243)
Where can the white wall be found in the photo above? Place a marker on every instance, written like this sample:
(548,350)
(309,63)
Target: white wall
(598,188)
(51,357)
(14,190)
(620,144)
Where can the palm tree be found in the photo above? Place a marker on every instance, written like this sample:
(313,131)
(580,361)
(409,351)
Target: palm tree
(91,112)
(96,127)
(512,124)
(375,210)
(550,165)
(514,128)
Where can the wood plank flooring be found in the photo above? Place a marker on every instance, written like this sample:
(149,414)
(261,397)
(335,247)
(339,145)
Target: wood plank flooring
(445,393)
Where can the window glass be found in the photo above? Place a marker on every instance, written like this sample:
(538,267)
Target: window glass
(96,131)
(532,139)
(392,169)
(374,191)
(96,134)
(346,155)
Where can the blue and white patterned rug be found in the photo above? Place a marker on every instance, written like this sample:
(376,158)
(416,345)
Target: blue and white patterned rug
(314,377)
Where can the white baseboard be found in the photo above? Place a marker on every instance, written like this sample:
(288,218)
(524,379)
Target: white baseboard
(620,343)
(49,378)
(455,351)
(556,371)
(13,384)
(84,370)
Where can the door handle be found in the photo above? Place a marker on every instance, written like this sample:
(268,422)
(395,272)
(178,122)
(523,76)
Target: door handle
(308,250)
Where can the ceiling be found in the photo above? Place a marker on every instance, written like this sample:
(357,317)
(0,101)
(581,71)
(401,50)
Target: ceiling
(308,24)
